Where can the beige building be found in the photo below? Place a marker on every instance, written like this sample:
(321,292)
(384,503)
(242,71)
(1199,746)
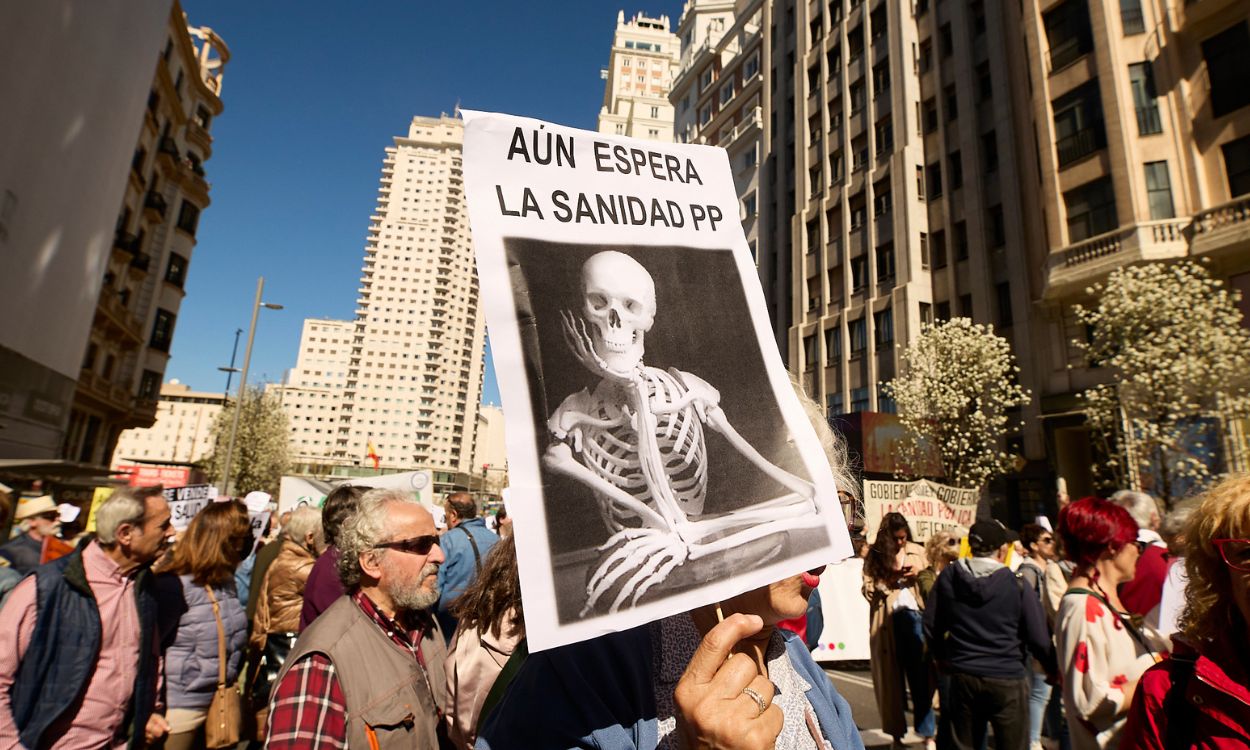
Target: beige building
(313,393)
(413,378)
(144,283)
(490,460)
(640,70)
(1139,151)
(181,432)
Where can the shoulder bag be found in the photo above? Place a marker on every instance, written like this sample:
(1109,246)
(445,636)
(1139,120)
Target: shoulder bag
(225,713)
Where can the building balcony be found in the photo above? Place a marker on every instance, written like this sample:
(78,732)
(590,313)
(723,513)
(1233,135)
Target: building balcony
(112,316)
(1077,266)
(154,206)
(140,263)
(1194,18)
(1080,144)
(1222,229)
(111,395)
(126,243)
(197,136)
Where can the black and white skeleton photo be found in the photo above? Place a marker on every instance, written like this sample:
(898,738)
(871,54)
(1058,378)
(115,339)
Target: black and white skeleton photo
(682,494)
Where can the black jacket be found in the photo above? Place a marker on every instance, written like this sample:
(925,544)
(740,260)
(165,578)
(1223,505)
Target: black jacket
(981,621)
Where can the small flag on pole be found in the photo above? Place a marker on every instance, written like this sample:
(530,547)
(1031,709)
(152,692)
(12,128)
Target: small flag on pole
(372,455)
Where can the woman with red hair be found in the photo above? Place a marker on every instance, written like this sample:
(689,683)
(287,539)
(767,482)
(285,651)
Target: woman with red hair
(1200,698)
(1102,651)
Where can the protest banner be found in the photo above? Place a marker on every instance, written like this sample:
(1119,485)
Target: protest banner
(928,506)
(658,457)
(294,492)
(185,502)
(142,475)
(259,521)
(842,603)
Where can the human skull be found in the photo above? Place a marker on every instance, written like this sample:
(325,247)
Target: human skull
(618,301)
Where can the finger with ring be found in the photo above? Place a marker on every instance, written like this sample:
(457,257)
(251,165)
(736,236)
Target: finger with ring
(759,699)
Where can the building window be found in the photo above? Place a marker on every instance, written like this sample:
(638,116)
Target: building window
(883,328)
(977,9)
(727,92)
(188,217)
(1131,19)
(1091,209)
(705,114)
(858,214)
(985,83)
(833,346)
(882,201)
(885,404)
(1159,190)
(926,56)
(748,205)
(925,258)
(885,137)
(939,248)
(946,42)
(943,312)
(1003,292)
(1228,68)
(859,152)
(150,385)
(751,67)
(930,116)
(989,151)
(705,79)
(955,170)
(176,271)
(655,113)
(881,79)
(1068,33)
(859,273)
(885,263)
(1237,165)
(859,337)
(960,240)
(809,352)
(965,305)
(859,399)
(926,314)
(998,229)
(1079,129)
(933,180)
(857,98)
(952,103)
(1145,99)
(163,330)
(920,182)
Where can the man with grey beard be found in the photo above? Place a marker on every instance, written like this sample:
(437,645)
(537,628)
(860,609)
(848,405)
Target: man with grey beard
(368,672)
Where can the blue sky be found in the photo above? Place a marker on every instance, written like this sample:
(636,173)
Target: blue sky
(313,93)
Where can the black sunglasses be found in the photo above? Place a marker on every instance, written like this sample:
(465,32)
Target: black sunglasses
(417,545)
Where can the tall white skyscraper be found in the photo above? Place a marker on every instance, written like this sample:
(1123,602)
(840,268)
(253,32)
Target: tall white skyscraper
(313,393)
(640,70)
(408,374)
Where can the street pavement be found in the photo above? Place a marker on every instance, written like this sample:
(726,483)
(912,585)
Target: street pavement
(854,681)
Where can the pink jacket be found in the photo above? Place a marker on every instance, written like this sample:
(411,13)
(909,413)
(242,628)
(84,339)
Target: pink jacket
(1217,701)
(474,660)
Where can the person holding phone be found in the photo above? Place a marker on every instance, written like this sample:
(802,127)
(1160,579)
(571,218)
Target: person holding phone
(896,630)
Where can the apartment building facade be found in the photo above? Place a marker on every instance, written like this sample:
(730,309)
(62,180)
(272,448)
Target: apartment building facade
(1139,150)
(181,432)
(143,286)
(312,395)
(414,360)
(641,65)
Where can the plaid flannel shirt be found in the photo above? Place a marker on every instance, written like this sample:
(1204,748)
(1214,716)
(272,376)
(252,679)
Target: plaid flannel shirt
(308,710)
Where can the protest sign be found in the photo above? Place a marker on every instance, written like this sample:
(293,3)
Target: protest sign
(259,521)
(98,496)
(658,457)
(185,502)
(842,604)
(928,506)
(141,475)
(296,492)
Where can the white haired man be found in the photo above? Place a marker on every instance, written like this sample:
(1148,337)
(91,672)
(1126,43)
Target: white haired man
(79,661)
(369,671)
(1142,594)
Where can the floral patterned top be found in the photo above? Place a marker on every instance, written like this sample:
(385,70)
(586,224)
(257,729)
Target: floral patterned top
(1098,656)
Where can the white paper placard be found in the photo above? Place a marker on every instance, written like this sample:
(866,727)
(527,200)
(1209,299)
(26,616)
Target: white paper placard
(658,457)
(929,507)
(185,502)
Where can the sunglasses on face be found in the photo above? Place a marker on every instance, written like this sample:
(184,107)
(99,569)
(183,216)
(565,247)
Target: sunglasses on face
(1235,552)
(417,545)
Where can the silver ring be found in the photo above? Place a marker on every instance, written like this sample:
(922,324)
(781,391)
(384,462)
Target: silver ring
(759,700)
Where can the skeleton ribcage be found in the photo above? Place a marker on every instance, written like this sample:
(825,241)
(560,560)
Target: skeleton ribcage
(614,454)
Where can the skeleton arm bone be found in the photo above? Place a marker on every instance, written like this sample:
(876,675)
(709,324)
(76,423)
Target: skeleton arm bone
(559,458)
(717,420)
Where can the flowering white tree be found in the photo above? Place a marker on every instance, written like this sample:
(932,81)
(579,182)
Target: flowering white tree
(1180,361)
(957,384)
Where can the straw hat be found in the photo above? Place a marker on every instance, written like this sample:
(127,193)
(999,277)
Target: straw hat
(35,506)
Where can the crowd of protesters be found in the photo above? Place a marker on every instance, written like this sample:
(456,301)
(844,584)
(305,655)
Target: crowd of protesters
(362,624)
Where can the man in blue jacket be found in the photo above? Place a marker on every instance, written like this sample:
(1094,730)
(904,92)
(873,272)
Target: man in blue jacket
(982,625)
(465,544)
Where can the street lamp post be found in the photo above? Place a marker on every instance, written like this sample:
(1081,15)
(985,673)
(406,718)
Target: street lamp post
(238,402)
